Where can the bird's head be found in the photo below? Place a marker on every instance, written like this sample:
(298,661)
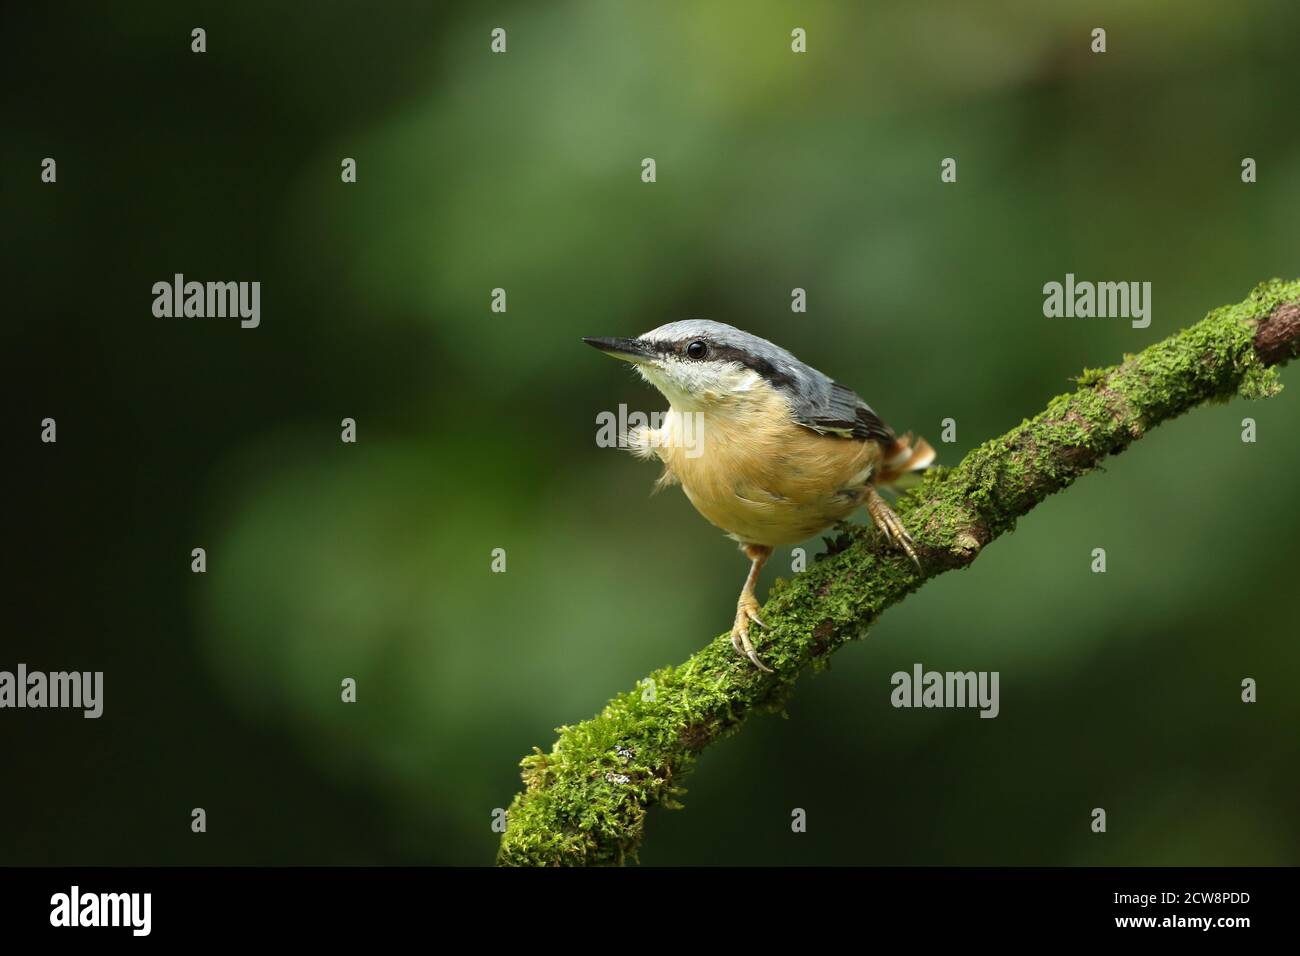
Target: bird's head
(700,365)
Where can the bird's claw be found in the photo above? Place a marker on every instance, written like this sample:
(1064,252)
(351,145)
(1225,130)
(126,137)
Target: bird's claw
(746,611)
(891,526)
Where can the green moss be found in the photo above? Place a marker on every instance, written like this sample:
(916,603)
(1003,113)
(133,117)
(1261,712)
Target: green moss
(1259,382)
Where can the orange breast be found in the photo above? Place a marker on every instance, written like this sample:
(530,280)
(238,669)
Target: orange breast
(765,480)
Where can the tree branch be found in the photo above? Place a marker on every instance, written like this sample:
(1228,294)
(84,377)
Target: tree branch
(585,802)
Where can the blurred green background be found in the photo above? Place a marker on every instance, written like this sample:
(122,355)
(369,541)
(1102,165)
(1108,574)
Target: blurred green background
(477,429)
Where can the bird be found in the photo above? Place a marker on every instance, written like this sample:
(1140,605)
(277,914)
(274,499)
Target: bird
(765,447)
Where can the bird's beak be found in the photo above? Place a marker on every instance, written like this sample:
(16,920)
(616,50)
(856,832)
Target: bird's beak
(629,350)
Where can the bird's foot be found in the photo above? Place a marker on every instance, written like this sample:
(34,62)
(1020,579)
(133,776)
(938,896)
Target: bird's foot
(746,611)
(891,526)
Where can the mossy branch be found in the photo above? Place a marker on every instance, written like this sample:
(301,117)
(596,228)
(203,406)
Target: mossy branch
(585,802)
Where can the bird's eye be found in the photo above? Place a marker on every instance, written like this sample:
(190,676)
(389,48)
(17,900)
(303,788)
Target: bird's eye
(697,349)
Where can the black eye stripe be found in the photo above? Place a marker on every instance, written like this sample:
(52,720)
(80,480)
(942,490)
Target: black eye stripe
(682,349)
(762,366)
(726,353)
(729,353)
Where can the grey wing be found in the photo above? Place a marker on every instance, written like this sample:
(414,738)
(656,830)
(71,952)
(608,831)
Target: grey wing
(830,408)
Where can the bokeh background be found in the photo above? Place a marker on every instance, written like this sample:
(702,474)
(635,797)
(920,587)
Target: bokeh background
(477,429)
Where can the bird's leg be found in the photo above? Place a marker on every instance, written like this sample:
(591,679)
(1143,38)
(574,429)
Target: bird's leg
(890,525)
(747,606)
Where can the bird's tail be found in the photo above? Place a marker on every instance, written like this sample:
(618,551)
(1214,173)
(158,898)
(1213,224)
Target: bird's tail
(904,457)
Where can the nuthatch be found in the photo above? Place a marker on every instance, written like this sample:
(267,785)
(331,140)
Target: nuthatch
(785,451)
